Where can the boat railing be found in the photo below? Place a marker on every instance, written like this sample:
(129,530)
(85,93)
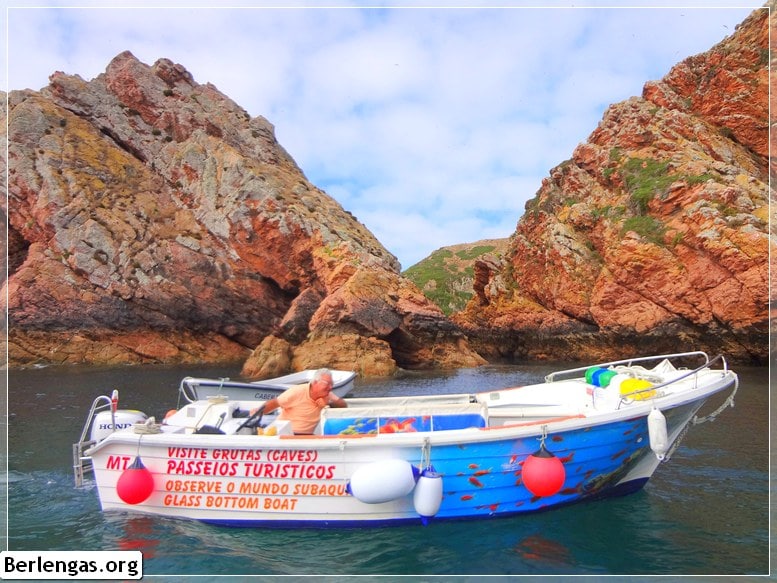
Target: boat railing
(82,464)
(188,390)
(708,364)
(554,376)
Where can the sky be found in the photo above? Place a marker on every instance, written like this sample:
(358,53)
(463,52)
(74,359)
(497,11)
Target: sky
(433,126)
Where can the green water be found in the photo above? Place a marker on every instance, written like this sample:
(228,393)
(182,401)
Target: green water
(705,512)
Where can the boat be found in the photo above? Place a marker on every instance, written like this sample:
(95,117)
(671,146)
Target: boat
(194,389)
(583,434)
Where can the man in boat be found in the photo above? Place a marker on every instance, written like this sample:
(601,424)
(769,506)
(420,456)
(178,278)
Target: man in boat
(302,404)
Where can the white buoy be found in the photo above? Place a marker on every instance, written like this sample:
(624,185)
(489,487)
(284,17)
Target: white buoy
(427,495)
(383,481)
(659,440)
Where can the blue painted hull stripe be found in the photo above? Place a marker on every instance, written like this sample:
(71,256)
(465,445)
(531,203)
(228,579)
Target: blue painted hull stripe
(615,492)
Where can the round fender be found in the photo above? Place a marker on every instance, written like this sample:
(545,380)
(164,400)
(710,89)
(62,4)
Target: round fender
(659,439)
(383,481)
(135,484)
(427,496)
(543,473)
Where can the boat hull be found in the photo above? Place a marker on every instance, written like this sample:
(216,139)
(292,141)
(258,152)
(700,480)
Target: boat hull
(408,459)
(291,481)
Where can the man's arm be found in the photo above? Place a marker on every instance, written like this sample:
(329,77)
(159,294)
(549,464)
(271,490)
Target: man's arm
(271,405)
(336,402)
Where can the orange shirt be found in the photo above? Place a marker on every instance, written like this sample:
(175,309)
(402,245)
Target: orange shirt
(300,409)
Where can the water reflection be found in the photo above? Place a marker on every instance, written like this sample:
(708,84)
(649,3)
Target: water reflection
(140,534)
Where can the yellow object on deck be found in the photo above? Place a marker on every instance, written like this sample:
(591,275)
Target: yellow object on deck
(629,389)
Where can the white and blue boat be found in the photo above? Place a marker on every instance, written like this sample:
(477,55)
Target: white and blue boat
(194,388)
(584,433)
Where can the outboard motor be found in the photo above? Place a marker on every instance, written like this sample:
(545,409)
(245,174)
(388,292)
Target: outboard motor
(102,426)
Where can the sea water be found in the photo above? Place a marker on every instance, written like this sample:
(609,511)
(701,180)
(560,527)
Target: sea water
(704,512)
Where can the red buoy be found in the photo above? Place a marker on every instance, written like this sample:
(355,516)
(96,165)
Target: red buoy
(543,473)
(136,483)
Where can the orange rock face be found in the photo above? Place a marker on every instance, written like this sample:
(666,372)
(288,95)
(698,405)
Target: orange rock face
(153,220)
(655,235)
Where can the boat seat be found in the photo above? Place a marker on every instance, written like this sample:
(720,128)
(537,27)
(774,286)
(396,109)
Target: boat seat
(205,416)
(402,419)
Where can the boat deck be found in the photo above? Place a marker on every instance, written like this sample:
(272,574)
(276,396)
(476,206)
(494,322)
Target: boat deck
(600,392)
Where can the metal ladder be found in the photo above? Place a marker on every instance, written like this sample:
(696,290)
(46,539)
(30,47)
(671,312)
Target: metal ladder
(82,463)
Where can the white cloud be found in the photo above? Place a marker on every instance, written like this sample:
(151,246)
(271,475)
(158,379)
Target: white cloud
(432,126)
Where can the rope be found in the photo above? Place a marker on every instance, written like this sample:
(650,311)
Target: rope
(729,402)
(148,427)
(676,443)
(426,454)
(543,436)
(698,421)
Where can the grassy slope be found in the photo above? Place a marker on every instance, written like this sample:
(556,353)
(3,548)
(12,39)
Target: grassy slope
(446,276)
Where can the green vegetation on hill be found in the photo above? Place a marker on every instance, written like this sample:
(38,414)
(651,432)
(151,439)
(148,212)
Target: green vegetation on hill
(447,275)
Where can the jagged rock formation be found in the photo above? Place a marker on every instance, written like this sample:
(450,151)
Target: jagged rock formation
(151,219)
(654,235)
(154,220)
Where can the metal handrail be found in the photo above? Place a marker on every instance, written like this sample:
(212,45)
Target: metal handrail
(79,460)
(184,388)
(628,362)
(190,393)
(707,364)
(93,410)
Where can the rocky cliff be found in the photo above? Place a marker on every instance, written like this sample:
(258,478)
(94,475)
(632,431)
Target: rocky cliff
(152,219)
(654,235)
